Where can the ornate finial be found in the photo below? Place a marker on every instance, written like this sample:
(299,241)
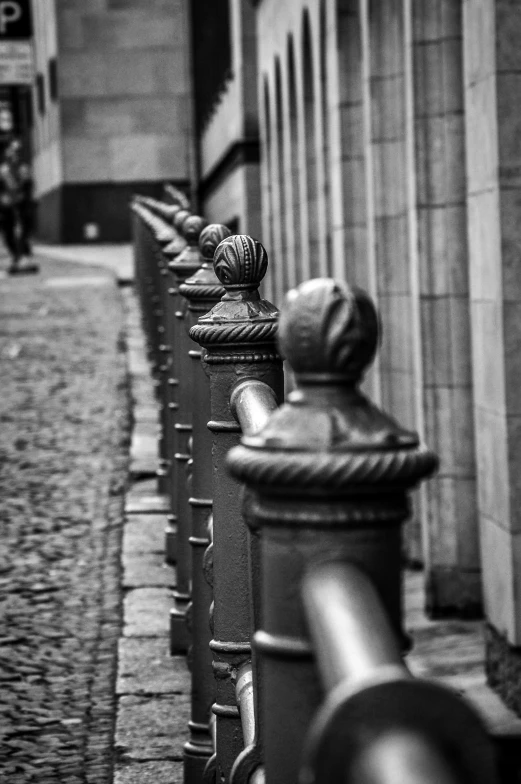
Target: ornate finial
(240,262)
(210,238)
(328,327)
(163,232)
(177,196)
(204,289)
(180,218)
(332,434)
(189,259)
(191,229)
(169,211)
(241,318)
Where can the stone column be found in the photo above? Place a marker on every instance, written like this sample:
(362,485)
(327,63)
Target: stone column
(348,159)
(451,537)
(391,258)
(390,205)
(492,80)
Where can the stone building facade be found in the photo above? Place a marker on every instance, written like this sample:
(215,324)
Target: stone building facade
(112,111)
(389,156)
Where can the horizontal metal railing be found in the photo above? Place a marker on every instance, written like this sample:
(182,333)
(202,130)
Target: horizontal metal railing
(377,723)
(300,677)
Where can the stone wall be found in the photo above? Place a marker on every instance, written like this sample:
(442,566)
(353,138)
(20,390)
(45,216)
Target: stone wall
(124,105)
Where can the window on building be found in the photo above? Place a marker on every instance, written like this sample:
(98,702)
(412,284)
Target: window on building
(40,92)
(53,79)
(212,56)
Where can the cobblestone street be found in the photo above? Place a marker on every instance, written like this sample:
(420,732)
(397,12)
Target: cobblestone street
(65,428)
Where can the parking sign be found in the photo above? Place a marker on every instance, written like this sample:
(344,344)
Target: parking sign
(15,20)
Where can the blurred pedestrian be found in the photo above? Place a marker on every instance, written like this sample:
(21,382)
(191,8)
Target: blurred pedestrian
(16,206)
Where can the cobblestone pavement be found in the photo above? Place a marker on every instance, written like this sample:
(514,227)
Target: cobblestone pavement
(63,466)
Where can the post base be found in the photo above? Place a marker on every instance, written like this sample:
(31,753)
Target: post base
(179,634)
(196,753)
(171,543)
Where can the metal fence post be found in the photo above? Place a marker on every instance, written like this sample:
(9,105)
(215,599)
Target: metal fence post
(202,291)
(170,403)
(239,337)
(328,479)
(184,265)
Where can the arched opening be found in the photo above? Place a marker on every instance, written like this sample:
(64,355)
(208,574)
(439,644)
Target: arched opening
(296,273)
(310,147)
(267,192)
(325,135)
(358,261)
(282,256)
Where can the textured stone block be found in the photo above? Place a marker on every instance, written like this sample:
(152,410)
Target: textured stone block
(390,172)
(143,498)
(492,466)
(147,612)
(512,343)
(388,121)
(157,772)
(144,30)
(485,246)
(508,86)
(482,149)
(396,351)
(86,160)
(398,396)
(353,190)
(391,237)
(488,356)
(510,204)
(514,464)
(134,156)
(147,570)
(150,729)
(499,563)
(82,75)
(449,428)
(442,244)
(146,667)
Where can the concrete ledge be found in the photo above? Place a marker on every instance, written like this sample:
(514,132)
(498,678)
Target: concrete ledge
(146,667)
(146,612)
(147,570)
(144,533)
(157,772)
(152,728)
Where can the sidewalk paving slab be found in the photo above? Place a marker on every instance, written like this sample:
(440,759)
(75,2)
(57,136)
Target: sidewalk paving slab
(144,533)
(155,772)
(147,570)
(152,727)
(146,667)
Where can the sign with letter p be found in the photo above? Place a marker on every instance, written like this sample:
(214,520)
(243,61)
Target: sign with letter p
(15,19)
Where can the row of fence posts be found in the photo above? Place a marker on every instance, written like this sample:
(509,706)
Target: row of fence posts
(285,524)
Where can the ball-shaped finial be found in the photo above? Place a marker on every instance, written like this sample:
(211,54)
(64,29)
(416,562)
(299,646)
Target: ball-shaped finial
(210,238)
(240,262)
(328,327)
(180,218)
(192,228)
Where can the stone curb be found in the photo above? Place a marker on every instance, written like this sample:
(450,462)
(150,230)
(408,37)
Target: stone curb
(153,687)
